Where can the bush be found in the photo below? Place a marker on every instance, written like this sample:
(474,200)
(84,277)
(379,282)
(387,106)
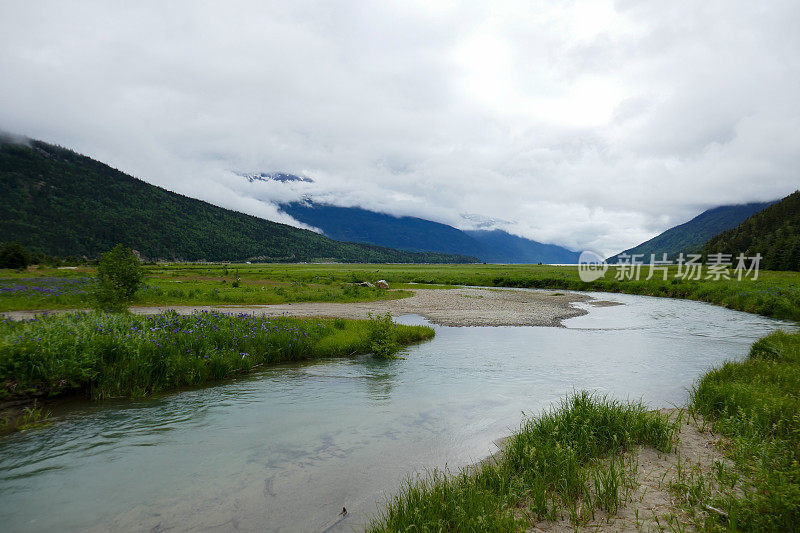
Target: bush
(120,275)
(14,255)
(383,336)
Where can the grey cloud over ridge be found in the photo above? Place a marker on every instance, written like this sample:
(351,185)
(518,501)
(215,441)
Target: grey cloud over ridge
(588,124)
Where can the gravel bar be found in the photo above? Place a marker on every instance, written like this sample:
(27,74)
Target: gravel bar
(464,306)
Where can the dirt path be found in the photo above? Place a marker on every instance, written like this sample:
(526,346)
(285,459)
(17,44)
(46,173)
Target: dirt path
(451,307)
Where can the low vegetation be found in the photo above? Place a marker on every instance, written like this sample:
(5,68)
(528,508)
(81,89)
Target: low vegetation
(568,461)
(773,294)
(48,288)
(755,403)
(124,355)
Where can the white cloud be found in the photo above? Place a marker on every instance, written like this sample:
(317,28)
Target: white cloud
(589,124)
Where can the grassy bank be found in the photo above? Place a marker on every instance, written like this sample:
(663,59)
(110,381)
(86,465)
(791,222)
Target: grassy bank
(756,404)
(774,294)
(123,355)
(564,462)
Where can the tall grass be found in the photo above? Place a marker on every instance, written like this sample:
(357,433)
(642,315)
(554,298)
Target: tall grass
(756,403)
(567,460)
(123,355)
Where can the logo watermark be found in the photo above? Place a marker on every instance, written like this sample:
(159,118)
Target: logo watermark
(632,267)
(591,266)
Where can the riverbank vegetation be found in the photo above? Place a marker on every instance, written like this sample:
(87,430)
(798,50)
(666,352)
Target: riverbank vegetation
(567,461)
(756,405)
(773,294)
(123,355)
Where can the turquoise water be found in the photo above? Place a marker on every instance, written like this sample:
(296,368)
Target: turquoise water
(285,449)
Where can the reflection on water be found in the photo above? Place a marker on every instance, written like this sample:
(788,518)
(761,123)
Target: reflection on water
(286,449)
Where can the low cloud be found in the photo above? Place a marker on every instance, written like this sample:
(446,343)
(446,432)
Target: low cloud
(587,124)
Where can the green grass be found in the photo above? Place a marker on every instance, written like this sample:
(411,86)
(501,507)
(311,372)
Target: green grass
(566,462)
(123,355)
(49,288)
(33,417)
(756,404)
(774,294)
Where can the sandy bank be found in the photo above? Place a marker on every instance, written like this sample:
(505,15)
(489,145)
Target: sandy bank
(651,504)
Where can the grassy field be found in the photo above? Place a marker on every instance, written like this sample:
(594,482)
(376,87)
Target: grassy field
(49,288)
(566,461)
(774,294)
(124,355)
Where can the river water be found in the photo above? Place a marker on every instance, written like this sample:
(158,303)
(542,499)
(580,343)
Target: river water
(286,448)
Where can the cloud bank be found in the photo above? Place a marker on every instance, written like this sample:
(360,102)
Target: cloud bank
(588,124)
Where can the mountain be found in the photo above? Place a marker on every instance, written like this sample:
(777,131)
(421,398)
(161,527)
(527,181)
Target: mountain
(58,202)
(417,234)
(773,232)
(690,236)
(273,176)
(502,247)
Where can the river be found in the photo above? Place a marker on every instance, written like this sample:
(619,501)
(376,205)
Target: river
(286,448)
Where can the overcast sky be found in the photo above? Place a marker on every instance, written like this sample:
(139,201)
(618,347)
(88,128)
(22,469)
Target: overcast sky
(593,125)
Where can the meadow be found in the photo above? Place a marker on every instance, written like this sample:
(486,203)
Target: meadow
(104,355)
(773,294)
(50,288)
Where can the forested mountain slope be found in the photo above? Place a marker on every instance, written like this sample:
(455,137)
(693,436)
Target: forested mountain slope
(62,203)
(773,232)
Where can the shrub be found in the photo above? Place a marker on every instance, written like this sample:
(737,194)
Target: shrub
(120,275)
(383,335)
(14,255)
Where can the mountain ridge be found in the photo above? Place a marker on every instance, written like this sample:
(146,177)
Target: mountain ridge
(62,203)
(773,232)
(691,235)
(418,234)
